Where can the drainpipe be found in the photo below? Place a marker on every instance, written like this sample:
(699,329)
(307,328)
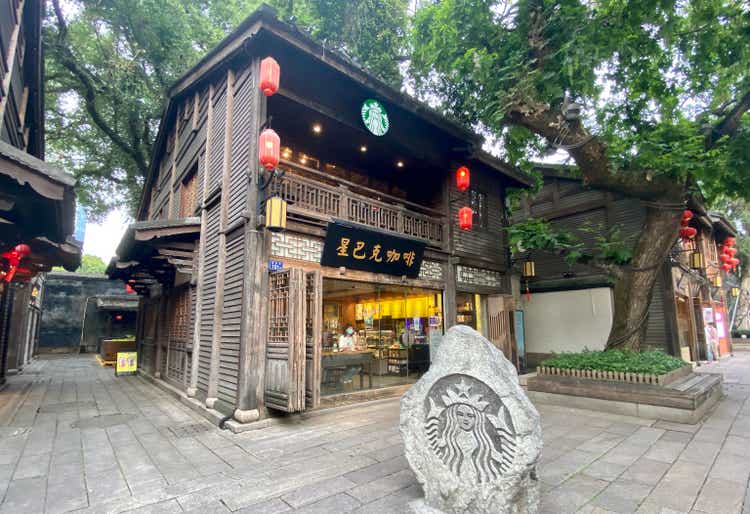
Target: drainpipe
(83,322)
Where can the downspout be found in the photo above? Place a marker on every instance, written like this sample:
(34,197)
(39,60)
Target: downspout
(83,322)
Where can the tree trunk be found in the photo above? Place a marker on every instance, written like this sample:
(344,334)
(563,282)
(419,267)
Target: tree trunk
(634,289)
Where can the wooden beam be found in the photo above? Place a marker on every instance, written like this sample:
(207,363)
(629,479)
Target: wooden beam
(175,253)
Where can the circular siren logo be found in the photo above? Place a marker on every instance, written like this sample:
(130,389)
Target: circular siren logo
(374,117)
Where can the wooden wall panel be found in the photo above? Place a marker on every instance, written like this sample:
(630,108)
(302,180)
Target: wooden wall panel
(242,134)
(216,155)
(486,243)
(231,319)
(209,297)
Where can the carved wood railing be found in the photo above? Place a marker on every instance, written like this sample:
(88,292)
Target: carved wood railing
(323,200)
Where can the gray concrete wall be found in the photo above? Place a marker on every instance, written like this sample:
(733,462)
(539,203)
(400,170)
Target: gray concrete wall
(65,296)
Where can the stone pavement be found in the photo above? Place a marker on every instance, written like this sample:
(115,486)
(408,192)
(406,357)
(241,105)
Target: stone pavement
(75,438)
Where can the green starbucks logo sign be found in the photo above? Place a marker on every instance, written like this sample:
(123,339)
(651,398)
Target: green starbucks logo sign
(375,117)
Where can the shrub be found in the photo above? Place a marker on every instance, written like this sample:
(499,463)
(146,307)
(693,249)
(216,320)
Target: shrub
(654,362)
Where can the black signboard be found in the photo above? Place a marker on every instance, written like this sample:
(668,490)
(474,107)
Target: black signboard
(356,247)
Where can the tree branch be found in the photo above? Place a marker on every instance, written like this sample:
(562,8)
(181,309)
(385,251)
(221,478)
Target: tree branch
(89,91)
(730,124)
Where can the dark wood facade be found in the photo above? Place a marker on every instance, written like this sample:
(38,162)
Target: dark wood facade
(255,335)
(589,213)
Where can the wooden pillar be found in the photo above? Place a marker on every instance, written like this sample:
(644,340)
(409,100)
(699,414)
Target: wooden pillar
(193,384)
(213,377)
(449,295)
(254,304)
(162,324)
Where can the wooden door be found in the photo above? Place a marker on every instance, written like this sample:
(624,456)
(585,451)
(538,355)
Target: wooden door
(313,337)
(285,346)
(500,330)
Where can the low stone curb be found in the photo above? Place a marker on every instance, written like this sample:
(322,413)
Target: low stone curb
(617,376)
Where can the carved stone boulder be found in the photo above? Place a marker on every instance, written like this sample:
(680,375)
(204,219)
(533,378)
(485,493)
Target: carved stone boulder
(471,435)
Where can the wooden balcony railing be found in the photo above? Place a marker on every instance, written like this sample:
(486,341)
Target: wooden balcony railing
(323,200)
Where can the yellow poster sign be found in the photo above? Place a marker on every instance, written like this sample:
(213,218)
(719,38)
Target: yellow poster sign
(127,363)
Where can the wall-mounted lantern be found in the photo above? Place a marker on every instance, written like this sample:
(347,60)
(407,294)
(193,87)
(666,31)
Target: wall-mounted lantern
(269,148)
(735,292)
(529,269)
(275,214)
(270,73)
(465,218)
(463,178)
(717,281)
(696,260)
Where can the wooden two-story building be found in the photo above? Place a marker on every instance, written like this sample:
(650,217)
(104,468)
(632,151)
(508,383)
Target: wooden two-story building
(372,261)
(570,307)
(37,200)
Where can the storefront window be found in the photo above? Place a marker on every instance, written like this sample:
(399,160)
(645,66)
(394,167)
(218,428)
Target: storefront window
(376,336)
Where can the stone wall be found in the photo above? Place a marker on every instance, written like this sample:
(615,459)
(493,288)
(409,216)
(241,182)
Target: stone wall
(65,296)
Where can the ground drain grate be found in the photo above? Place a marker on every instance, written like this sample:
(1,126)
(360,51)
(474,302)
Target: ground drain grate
(190,429)
(60,408)
(106,421)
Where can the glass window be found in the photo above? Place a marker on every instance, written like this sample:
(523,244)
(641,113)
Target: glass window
(376,335)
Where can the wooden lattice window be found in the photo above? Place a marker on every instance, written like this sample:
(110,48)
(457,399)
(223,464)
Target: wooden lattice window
(187,195)
(179,323)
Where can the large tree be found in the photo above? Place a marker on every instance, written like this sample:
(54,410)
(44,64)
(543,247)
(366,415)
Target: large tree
(110,62)
(663,88)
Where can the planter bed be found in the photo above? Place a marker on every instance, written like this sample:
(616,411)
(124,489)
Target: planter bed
(616,376)
(685,399)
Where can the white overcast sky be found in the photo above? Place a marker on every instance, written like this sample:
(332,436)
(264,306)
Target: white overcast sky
(101,239)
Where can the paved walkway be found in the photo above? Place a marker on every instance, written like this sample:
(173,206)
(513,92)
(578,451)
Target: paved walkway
(74,438)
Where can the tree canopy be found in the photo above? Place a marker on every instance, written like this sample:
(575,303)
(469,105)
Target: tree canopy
(109,64)
(649,100)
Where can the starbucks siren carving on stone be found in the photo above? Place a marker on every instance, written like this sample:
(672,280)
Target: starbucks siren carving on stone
(471,435)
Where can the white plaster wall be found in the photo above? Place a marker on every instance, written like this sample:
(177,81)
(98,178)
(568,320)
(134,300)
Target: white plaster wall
(568,321)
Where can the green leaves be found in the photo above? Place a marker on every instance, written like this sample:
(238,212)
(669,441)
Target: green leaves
(651,362)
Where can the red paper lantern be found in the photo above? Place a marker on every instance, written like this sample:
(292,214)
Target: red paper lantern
(687,233)
(22,250)
(268,149)
(725,257)
(730,241)
(463,178)
(270,72)
(726,267)
(687,215)
(730,251)
(129,289)
(465,218)
(734,261)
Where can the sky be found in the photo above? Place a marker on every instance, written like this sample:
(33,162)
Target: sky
(101,239)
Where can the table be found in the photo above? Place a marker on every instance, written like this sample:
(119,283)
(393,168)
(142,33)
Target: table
(349,359)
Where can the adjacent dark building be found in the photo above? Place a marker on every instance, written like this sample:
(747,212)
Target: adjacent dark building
(79,309)
(37,200)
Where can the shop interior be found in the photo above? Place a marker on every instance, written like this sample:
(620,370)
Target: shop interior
(377,335)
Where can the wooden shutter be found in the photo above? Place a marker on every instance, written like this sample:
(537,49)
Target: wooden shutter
(285,347)
(500,325)
(313,336)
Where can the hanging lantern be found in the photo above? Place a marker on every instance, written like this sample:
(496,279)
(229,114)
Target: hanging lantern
(268,149)
(270,72)
(731,251)
(688,233)
(465,218)
(463,178)
(726,267)
(275,214)
(735,292)
(696,260)
(687,215)
(734,261)
(129,289)
(529,269)
(730,241)
(717,281)
(725,257)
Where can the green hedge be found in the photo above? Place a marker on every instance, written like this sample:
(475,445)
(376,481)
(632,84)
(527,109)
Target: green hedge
(654,362)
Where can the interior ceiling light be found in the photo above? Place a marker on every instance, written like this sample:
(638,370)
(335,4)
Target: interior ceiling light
(363,148)
(317,128)
(400,164)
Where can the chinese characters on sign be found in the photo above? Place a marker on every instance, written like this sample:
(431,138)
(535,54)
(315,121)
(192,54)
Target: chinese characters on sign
(358,248)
